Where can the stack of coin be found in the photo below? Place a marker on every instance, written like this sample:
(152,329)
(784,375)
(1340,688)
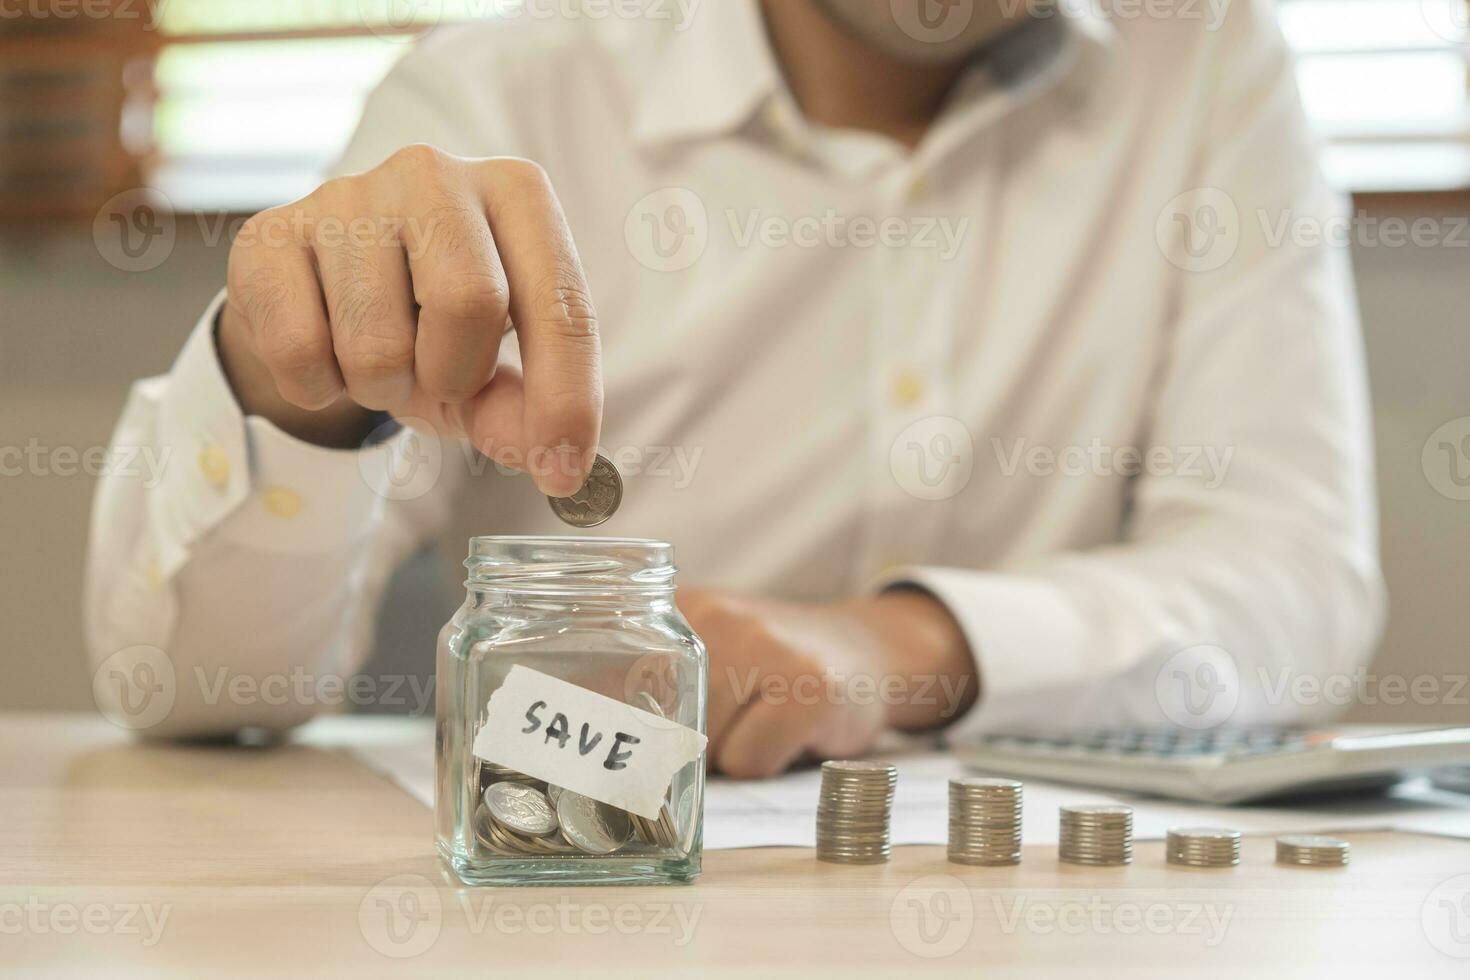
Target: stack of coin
(517,819)
(853,812)
(1310,850)
(660,832)
(984,821)
(1203,847)
(1098,835)
(495,836)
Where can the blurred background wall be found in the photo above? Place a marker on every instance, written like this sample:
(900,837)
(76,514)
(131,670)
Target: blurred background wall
(223,108)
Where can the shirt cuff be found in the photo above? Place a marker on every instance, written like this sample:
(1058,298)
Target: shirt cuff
(1025,634)
(279,493)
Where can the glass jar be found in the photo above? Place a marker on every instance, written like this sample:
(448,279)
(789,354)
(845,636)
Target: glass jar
(570,691)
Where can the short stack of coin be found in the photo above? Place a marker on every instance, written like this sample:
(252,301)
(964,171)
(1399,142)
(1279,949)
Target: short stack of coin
(517,819)
(660,832)
(1203,847)
(495,836)
(853,812)
(1097,835)
(1311,850)
(984,821)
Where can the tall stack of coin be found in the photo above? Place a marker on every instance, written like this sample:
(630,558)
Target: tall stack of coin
(1097,835)
(1203,847)
(853,812)
(984,821)
(1311,850)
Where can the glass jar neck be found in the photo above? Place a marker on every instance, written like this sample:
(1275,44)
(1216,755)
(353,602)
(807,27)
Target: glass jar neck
(627,572)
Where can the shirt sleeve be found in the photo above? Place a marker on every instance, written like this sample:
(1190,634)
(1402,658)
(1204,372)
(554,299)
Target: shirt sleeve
(238,573)
(1217,598)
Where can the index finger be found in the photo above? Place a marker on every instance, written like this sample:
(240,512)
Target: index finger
(551,307)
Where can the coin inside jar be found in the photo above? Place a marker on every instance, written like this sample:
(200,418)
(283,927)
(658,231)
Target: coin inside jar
(521,809)
(592,826)
(596,501)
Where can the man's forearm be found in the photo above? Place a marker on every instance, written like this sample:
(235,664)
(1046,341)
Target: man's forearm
(927,649)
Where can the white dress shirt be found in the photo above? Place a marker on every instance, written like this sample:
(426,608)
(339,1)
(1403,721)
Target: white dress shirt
(1121,434)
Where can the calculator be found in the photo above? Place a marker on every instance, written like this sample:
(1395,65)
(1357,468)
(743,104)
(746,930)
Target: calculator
(1223,765)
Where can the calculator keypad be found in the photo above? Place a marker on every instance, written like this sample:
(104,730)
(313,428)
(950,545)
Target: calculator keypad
(1164,743)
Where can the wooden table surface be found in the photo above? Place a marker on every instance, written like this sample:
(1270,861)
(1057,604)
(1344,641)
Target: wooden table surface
(119,858)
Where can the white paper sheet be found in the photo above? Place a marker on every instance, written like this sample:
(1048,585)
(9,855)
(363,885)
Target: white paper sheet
(782,811)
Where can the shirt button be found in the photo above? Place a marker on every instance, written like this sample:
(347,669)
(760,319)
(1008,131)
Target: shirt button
(282,503)
(215,465)
(154,576)
(908,388)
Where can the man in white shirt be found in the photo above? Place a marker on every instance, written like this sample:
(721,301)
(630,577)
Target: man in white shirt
(953,347)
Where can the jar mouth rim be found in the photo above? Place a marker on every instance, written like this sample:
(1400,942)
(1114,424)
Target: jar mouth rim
(567,540)
(567,565)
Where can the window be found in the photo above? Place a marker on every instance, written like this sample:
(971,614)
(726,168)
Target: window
(250,102)
(255,100)
(1387,83)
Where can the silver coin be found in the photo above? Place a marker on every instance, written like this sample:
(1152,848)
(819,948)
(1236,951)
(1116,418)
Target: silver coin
(650,704)
(598,499)
(521,809)
(484,825)
(553,793)
(640,828)
(593,826)
(1101,813)
(1313,840)
(860,768)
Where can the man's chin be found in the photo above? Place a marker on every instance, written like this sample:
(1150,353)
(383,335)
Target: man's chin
(922,32)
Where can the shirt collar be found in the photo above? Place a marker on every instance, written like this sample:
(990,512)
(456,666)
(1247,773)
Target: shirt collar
(710,77)
(1064,55)
(715,74)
